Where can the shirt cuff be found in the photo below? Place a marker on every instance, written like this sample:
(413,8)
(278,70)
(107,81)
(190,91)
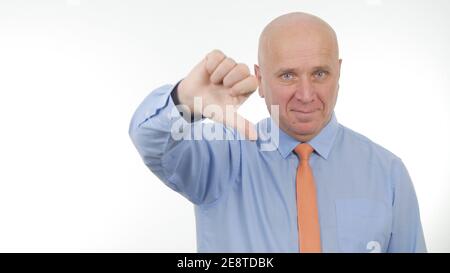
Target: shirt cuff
(158,111)
(174,97)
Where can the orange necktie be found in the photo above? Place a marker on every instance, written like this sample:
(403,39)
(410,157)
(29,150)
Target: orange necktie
(307,212)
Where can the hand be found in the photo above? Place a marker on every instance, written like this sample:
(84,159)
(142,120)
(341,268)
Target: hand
(223,85)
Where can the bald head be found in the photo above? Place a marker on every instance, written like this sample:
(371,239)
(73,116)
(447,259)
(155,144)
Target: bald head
(305,30)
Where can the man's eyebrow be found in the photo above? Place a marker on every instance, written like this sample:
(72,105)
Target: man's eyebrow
(288,69)
(284,70)
(322,67)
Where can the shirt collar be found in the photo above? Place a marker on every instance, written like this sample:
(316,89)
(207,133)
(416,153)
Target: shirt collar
(322,143)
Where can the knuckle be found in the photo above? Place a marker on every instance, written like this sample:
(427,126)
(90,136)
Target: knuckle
(230,61)
(243,69)
(215,56)
(216,53)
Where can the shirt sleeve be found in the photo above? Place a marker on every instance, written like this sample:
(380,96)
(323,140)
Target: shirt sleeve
(183,155)
(407,234)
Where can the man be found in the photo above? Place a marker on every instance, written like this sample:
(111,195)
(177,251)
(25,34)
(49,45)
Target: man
(323,188)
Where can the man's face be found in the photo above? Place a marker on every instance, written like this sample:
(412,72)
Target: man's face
(300,73)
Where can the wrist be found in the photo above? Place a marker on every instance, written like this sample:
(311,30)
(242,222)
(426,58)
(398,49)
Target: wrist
(182,103)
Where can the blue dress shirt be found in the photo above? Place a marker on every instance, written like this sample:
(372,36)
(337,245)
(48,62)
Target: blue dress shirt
(244,191)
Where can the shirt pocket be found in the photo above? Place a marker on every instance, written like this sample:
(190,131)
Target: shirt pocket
(363,225)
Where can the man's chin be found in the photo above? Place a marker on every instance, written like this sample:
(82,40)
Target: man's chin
(303,128)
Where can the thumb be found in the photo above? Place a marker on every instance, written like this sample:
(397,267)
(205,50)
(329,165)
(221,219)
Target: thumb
(245,127)
(230,118)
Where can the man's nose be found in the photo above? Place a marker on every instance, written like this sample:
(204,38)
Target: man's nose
(304,91)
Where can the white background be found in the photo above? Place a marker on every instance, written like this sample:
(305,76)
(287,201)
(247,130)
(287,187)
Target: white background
(73,72)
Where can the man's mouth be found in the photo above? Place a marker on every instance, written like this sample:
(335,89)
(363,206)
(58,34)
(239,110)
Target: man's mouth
(304,111)
(304,115)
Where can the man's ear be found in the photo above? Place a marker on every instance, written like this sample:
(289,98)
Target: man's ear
(339,74)
(340,64)
(258,77)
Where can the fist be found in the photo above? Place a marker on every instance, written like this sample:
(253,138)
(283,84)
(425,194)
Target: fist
(221,84)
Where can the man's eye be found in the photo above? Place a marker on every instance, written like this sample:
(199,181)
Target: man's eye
(287,76)
(320,74)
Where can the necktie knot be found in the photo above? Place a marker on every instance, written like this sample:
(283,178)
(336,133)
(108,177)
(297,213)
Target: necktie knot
(304,150)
